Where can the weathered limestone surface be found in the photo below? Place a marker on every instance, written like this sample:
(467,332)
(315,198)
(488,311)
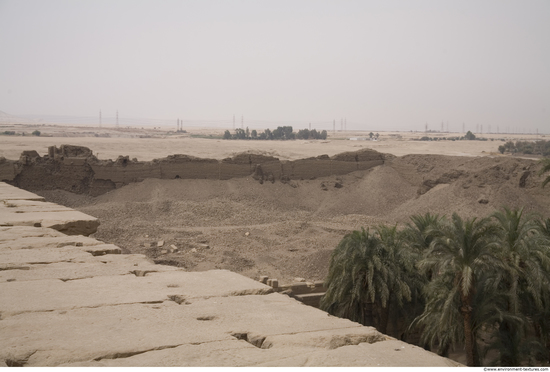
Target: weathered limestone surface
(26,209)
(9,193)
(75,301)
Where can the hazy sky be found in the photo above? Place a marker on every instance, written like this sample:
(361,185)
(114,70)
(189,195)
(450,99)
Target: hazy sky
(382,65)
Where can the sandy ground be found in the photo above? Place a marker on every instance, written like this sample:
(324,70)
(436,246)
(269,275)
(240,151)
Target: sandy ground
(163,142)
(285,231)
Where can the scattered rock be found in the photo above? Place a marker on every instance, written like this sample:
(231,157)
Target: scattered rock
(203,246)
(246,233)
(299,280)
(338,185)
(164,251)
(194,250)
(160,243)
(482,200)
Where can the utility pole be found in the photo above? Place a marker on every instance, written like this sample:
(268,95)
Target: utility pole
(242,121)
(233,121)
(426,128)
(441,127)
(345,124)
(117,118)
(100,118)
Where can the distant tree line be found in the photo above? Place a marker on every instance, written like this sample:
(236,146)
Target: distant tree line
(281,133)
(541,147)
(477,284)
(12,133)
(469,136)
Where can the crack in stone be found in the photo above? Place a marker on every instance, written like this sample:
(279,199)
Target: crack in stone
(15,268)
(121,355)
(84,307)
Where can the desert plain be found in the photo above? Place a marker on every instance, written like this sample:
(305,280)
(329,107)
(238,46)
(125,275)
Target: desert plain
(283,230)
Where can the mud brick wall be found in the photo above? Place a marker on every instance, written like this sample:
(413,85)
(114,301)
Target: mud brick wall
(76,169)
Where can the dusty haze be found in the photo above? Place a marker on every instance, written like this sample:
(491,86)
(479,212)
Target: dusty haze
(375,65)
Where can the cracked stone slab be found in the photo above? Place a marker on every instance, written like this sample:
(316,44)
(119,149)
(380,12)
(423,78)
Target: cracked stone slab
(107,332)
(89,267)
(69,222)
(9,192)
(231,353)
(52,294)
(29,206)
(11,233)
(239,353)
(22,208)
(33,242)
(51,255)
(204,332)
(41,256)
(389,353)
(328,339)
(242,354)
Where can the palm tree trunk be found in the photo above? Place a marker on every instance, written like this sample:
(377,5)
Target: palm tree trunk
(368,318)
(469,339)
(384,317)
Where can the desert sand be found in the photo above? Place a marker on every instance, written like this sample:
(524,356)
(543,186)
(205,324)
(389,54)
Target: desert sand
(197,142)
(286,231)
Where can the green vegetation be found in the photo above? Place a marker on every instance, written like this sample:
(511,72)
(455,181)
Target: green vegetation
(36,133)
(481,284)
(207,136)
(541,147)
(469,136)
(8,133)
(281,133)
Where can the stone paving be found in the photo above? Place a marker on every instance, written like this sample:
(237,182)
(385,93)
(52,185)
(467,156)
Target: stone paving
(70,300)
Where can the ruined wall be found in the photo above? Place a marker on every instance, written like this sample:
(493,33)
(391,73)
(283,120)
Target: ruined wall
(76,169)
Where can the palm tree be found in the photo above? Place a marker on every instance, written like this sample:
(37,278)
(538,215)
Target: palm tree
(525,251)
(545,168)
(458,258)
(369,269)
(356,276)
(405,283)
(423,230)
